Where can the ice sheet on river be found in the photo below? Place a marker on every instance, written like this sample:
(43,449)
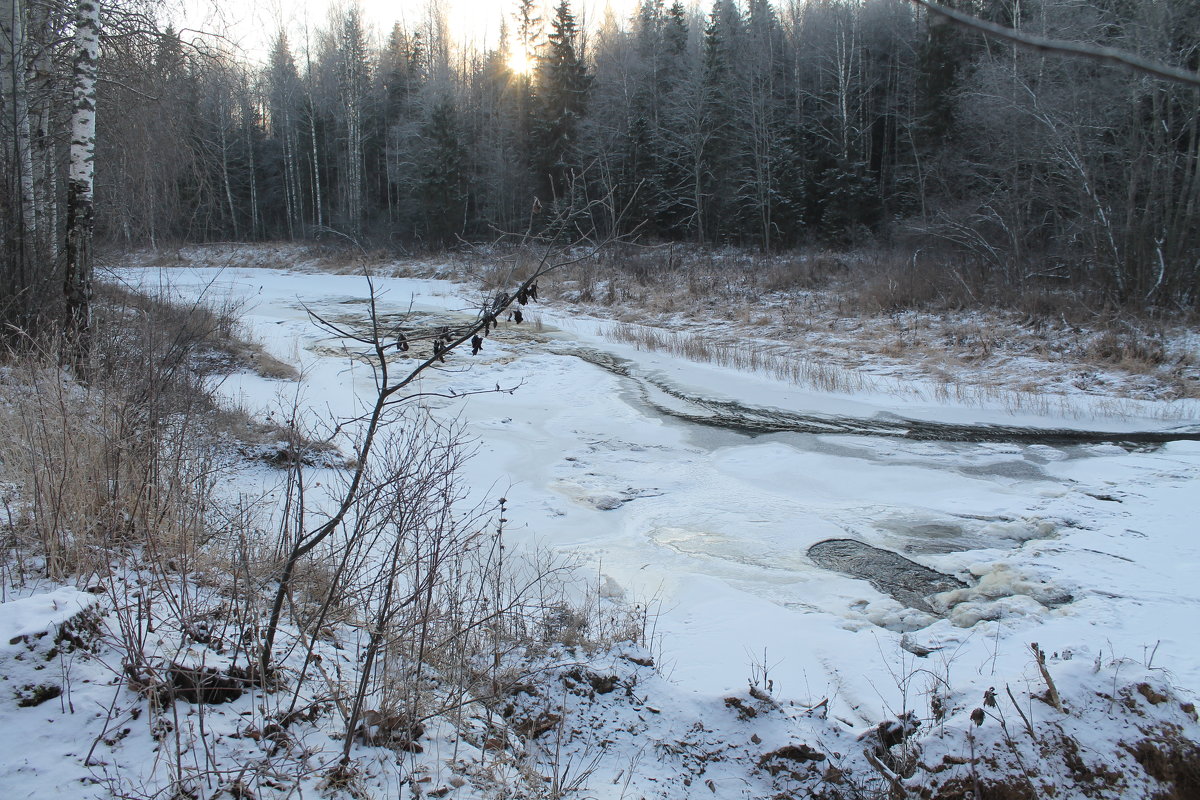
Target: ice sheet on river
(713,525)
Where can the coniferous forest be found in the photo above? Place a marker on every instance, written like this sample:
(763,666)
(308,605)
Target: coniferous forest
(756,124)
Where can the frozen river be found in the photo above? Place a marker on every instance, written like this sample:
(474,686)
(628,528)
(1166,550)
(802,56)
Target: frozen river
(700,490)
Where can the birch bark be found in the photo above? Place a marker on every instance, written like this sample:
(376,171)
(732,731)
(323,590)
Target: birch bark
(77,282)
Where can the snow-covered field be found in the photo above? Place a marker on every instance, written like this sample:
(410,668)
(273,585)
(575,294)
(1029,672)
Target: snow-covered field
(1088,549)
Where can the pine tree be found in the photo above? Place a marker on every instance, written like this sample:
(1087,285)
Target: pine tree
(717,180)
(680,133)
(943,56)
(402,79)
(661,37)
(523,122)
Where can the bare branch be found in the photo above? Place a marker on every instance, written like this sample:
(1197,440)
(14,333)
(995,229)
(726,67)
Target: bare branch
(1052,696)
(1095,52)
(111,82)
(554,255)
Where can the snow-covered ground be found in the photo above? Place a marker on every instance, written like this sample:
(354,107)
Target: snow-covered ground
(1089,550)
(714,525)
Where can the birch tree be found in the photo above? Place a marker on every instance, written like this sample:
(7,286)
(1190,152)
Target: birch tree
(283,94)
(77,282)
(353,75)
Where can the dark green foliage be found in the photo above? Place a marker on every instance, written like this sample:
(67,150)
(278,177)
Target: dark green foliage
(561,93)
(442,189)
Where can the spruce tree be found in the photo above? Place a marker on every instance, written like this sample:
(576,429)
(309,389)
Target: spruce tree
(442,186)
(561,97)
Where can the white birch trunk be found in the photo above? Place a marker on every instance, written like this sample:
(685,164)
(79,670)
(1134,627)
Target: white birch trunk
(225,175)
(297,226)
(77,283)
(296,223)
(356,158)
(254,215)
(316,168)
(289,187)
(355,171)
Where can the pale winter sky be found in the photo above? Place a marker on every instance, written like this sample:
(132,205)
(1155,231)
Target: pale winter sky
(251,24)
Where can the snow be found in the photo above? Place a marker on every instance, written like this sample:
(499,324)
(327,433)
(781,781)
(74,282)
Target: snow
(705,519)
(1089,550)
(39,613)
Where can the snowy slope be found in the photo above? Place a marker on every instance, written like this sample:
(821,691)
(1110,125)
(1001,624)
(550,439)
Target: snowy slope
(1089,550)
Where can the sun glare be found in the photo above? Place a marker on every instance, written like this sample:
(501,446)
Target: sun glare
(520,63)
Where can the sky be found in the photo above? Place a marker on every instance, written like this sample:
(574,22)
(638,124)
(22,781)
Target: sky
(252,25)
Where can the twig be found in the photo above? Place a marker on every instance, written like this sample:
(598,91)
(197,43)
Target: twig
(1051,689)
(883,770)
(1025,719)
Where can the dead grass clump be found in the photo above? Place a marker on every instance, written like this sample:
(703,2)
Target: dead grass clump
(890,282)
(159,355)
(127,458)
(1128,347)
(500,270)
(206,339)
(275,442)
(1171,760)
(1014,788)
(97,470)
(794,271)
(1042,304)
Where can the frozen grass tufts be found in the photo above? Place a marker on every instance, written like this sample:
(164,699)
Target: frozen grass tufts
(747,357)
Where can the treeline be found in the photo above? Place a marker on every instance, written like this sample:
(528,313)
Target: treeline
(754,124)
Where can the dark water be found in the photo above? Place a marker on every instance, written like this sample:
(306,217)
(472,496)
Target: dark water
(907,581)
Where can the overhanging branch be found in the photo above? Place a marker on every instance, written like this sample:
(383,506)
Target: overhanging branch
(1100,53)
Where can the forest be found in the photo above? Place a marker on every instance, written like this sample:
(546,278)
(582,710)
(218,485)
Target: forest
(710,401)
(757,125)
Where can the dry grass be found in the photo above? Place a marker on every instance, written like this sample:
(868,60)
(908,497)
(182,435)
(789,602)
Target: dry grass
(741,355)
(506,271)
(927,322)
(126,458)
(208,337)
(902,316)
(95,472)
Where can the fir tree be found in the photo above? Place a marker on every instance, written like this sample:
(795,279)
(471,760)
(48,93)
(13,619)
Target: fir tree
(561,94)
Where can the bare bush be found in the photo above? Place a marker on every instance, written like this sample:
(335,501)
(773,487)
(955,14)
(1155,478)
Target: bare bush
(122,459)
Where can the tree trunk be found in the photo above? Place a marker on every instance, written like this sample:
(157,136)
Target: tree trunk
(252,177)
(291,181)
(316,170)
(19,158)
(42,143)
(77,284)
(225,183)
